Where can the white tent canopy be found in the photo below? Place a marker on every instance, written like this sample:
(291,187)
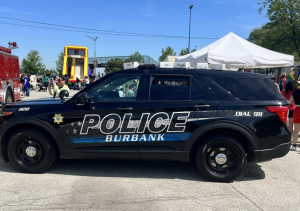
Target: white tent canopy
(235,51)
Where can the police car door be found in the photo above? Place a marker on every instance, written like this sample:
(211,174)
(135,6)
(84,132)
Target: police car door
(105,126)
(174,107)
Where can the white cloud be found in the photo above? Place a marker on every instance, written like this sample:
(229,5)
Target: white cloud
(13,11)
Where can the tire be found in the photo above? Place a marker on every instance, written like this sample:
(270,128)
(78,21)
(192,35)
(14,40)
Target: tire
(213,167)
(8,97)
(45,155)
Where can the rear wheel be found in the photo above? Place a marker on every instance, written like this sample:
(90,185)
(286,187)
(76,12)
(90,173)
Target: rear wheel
(221,158)
(31,151)
(8,97)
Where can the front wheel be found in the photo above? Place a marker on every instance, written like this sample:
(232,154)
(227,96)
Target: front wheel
(221,158)
(31,151)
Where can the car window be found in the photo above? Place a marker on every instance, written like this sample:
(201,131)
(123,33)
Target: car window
(170,88)
(248,88)
(118,88)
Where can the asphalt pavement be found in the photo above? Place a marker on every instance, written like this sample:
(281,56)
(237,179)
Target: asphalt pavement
(147,185)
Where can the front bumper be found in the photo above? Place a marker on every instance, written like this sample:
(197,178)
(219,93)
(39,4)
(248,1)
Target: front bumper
(269,154)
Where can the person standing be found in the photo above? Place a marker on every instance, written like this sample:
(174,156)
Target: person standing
(282,82)
(46,80)
(38,79)
(130,92)
(55,90)
(287,93)
(92,78)
(22,84)
(78,83)
(26,85)
(121,93)
(295,98)
(86,82)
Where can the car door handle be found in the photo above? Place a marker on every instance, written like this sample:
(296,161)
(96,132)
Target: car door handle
(201,106)
(124,108)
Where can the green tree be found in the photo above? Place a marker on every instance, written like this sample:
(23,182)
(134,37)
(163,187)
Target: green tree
(136,57)
(284,24)
(21,69)
(33,63)
(186,51)
(166,52)
(47,71)
(59,63)
(114,65)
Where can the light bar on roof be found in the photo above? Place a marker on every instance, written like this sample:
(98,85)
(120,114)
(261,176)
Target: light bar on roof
(130,65)
(179,65)
(202,66)
(182,65)
(164,65)
(12,45)
(217,66)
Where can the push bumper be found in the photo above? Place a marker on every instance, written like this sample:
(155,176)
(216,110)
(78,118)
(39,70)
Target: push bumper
(269,154)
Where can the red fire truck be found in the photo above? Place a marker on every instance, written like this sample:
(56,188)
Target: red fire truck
(9,75)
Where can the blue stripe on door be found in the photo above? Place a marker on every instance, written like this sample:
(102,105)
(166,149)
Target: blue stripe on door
(130,138)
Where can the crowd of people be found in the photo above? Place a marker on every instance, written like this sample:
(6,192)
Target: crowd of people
(45,82)
(291,92)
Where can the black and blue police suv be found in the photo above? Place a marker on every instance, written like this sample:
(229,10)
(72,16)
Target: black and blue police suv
(219,119)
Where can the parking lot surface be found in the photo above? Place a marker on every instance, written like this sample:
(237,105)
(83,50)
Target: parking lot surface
(138,185)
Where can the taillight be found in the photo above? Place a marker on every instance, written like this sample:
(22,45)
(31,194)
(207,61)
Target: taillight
(281,111)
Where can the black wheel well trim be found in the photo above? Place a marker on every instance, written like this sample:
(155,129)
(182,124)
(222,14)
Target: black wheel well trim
(27,120)
(239,128)
(222,125)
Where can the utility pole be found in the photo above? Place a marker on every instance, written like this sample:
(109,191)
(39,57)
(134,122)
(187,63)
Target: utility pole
(190,26)
(95,61)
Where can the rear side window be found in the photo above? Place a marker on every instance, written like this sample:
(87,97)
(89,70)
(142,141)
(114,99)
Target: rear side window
(248,89)
(270,82)
(170,88)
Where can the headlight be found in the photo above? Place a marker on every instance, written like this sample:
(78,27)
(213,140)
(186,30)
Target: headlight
(7,111)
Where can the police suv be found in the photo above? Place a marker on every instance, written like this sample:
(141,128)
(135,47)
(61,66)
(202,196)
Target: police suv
(219,119)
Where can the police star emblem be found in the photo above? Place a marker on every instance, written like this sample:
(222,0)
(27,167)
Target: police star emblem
(58,118)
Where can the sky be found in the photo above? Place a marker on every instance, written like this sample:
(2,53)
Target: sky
(210,19)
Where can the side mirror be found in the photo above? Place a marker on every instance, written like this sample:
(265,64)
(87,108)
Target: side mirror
(63,94)
(82,98)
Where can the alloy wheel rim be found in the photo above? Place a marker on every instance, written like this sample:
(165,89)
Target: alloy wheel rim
(29,151)
(220,159)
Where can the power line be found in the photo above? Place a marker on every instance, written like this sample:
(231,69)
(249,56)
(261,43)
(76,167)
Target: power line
(41,27)
(93,30)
